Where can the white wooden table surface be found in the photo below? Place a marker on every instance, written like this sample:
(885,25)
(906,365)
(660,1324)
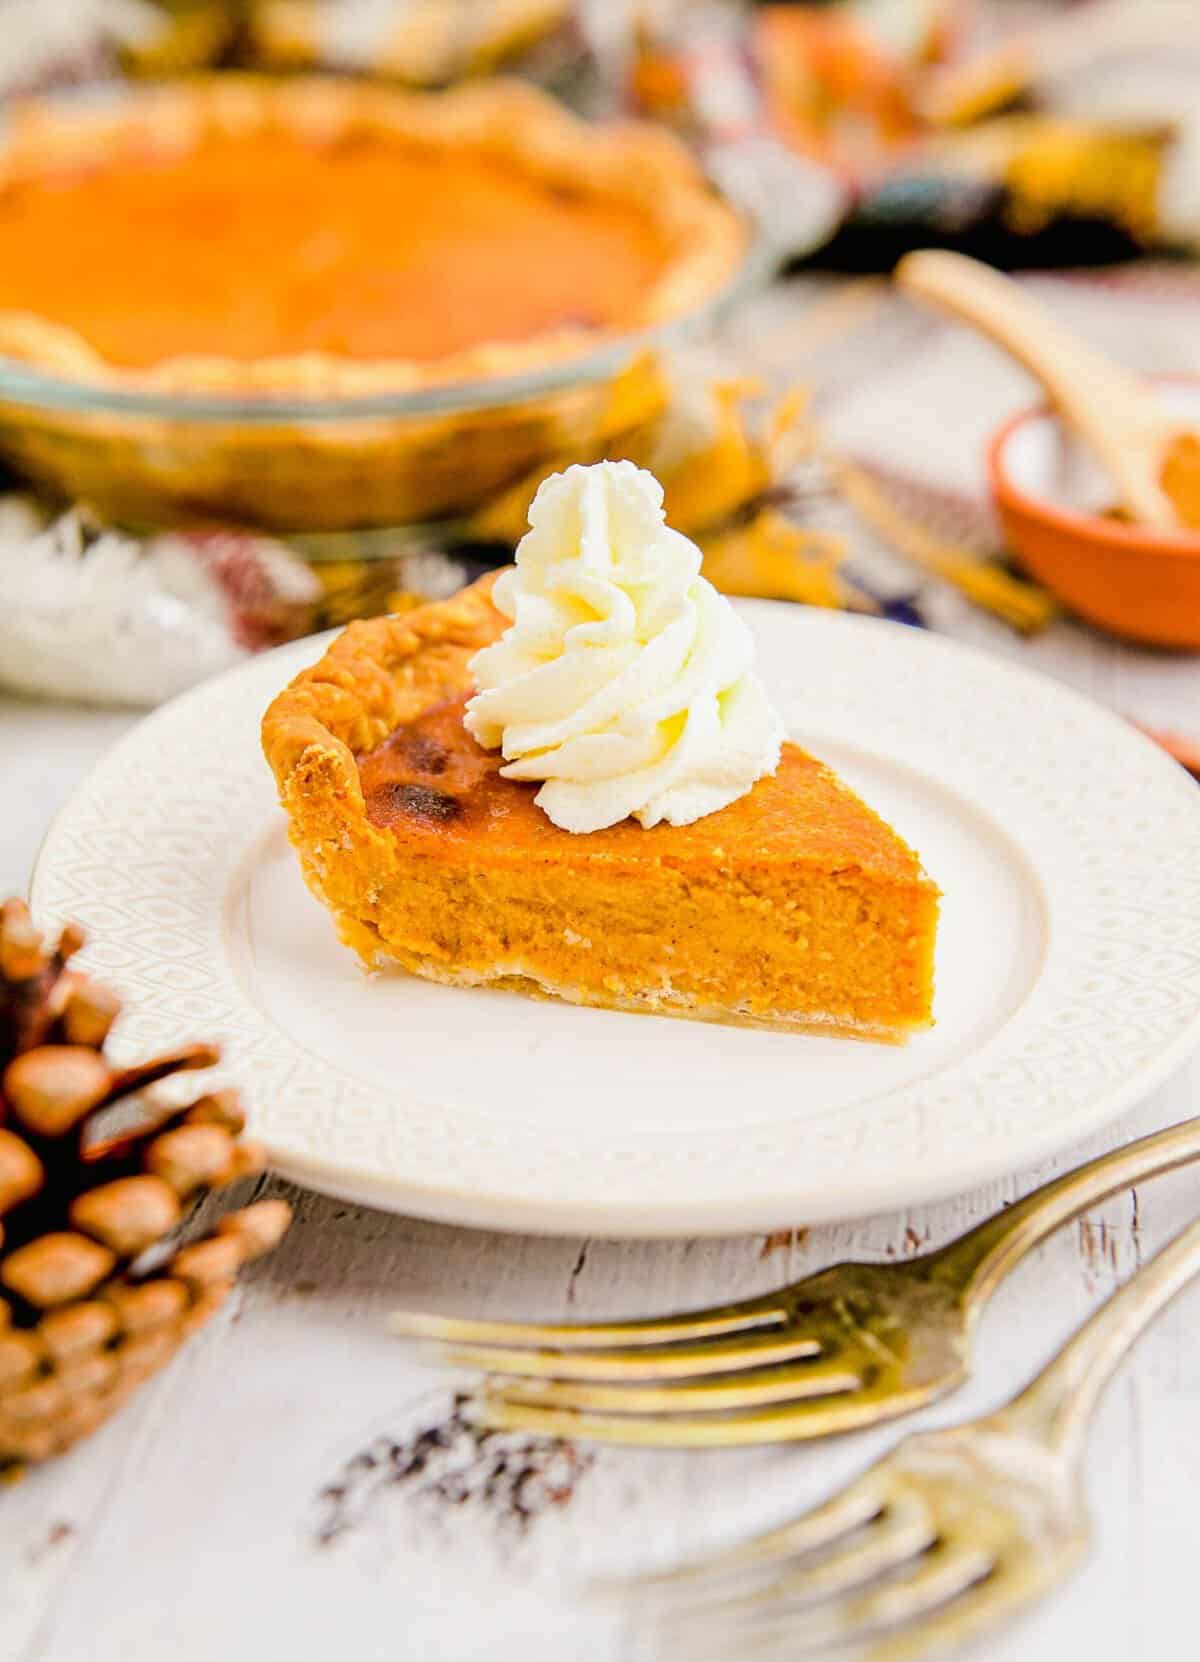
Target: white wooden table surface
(293,1485)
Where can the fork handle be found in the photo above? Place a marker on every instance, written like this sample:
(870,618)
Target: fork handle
(1058,1406)
(979,1260)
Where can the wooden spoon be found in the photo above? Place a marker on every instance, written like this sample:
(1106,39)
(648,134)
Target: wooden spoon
(1110,407)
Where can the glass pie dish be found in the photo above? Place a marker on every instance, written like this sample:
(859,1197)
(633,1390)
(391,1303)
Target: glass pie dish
(296,464)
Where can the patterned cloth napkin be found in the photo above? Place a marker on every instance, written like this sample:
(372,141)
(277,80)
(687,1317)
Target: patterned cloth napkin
(47,44)
(89,612)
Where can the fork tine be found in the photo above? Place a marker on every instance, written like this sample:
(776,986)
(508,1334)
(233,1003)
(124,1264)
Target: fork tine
(697,1324)
(665,1362)
(798,1381)
(939,1578)
(902,1531)
(837,1518)
(826,1416)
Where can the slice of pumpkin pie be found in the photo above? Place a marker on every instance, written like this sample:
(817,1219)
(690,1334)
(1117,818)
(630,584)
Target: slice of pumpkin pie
(567,781)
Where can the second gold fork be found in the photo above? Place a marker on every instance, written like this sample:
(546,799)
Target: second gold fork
(843,1349)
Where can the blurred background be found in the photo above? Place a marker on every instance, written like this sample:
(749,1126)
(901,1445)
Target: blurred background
(823,438)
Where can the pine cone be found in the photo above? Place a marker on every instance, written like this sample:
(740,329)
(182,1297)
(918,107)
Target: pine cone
(95,1179)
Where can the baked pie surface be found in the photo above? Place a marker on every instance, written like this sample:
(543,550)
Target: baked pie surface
(794,906)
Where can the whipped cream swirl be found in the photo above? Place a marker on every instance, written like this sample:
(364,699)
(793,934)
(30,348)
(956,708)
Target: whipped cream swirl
(624,682)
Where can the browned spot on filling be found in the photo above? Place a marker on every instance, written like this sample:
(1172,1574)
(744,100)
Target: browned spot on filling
(429,774)
(424,803)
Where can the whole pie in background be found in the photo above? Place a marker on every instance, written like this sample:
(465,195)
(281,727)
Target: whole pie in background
(320,235)
(222,269)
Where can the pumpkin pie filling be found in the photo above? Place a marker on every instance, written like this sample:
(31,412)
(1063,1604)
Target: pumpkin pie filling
(361,246)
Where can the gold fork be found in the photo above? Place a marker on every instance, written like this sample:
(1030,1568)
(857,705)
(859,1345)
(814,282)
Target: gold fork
(846,1348)
(944,1539)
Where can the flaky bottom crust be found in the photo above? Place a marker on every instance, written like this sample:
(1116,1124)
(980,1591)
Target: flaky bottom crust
(658,1002)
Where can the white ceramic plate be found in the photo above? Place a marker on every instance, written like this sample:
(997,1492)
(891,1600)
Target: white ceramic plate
(1067,847)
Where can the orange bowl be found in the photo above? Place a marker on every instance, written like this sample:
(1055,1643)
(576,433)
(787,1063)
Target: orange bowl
(1051,499)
